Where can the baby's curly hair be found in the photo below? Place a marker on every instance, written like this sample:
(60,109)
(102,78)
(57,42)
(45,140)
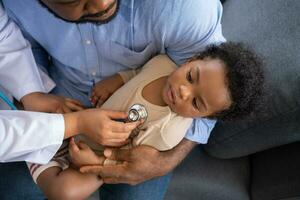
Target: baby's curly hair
(245,78)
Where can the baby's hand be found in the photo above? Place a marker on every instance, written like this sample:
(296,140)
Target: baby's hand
(81,154)
(43,102)
(105,88)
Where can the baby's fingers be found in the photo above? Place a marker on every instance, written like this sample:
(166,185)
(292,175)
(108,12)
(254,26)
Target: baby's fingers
(99,103)
(66,109)
(73,148)
(83,145)
(94,99)
(102,99)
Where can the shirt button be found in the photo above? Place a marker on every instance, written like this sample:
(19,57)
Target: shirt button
(88,42)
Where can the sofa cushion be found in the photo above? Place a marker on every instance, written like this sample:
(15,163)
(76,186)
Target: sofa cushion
(272,28)
(203,177)
(276,174)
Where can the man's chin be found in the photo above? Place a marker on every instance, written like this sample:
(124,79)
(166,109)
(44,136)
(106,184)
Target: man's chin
(97,22)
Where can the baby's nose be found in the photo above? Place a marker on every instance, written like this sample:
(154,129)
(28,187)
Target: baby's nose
(185,92)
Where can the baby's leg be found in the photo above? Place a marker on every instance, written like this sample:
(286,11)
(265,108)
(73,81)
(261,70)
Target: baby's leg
(60,181)
(67,184)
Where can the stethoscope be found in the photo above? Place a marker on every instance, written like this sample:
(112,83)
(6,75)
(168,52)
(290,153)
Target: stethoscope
(7,101)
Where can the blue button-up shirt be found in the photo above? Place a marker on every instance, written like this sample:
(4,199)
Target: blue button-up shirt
(75,55)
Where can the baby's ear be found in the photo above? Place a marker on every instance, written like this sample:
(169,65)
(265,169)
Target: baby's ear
(192,59)
(195,57)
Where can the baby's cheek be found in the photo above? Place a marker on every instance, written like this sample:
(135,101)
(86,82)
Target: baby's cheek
(182,111)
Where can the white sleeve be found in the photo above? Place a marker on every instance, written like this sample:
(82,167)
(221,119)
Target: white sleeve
(18,71)
(30,136)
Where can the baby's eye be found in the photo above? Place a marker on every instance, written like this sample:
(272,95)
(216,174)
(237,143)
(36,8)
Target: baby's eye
(189,77)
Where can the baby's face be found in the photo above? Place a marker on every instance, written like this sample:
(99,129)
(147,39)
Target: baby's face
(198,88)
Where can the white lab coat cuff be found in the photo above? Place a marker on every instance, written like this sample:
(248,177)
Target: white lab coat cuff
(56,121)
(47,85)
(47,81)
(27,89)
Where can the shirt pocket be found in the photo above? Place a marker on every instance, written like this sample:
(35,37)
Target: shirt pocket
(129,58)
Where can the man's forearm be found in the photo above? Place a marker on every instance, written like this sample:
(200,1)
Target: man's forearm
(172,158)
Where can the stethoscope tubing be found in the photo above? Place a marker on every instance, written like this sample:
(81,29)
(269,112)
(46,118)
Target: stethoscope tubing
(7,101)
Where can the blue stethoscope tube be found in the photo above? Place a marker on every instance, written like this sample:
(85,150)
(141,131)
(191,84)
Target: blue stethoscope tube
(7,101)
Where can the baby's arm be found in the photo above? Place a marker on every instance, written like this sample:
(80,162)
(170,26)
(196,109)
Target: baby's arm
(105,88)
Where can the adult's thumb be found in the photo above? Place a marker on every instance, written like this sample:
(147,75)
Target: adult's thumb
(117,154)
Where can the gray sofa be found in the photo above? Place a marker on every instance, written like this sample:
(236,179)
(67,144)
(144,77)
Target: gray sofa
(256,159)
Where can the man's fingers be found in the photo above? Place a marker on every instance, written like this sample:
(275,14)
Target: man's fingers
(101,159)
(111,180)
(93,169)
(73,106)
(106,172)
(118,154)
(74,101)
(66,109)
(60,110)
(112,171)
(117,180)
(112,174)
(116,143)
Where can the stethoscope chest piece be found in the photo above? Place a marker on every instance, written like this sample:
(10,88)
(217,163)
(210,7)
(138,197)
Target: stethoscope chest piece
(137,112)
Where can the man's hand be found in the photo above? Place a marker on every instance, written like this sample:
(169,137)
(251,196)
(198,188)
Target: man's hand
(100,125)
(140,163)
(105,88)
(43,102)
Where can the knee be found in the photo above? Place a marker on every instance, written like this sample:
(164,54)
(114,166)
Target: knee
(65,191)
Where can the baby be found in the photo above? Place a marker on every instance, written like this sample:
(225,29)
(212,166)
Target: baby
(223,82)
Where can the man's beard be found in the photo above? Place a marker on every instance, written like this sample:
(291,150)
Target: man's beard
(83,21)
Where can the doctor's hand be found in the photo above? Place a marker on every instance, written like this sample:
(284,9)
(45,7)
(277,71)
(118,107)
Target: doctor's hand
(100,125)
(104,89)
(43,102)
(140,163)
